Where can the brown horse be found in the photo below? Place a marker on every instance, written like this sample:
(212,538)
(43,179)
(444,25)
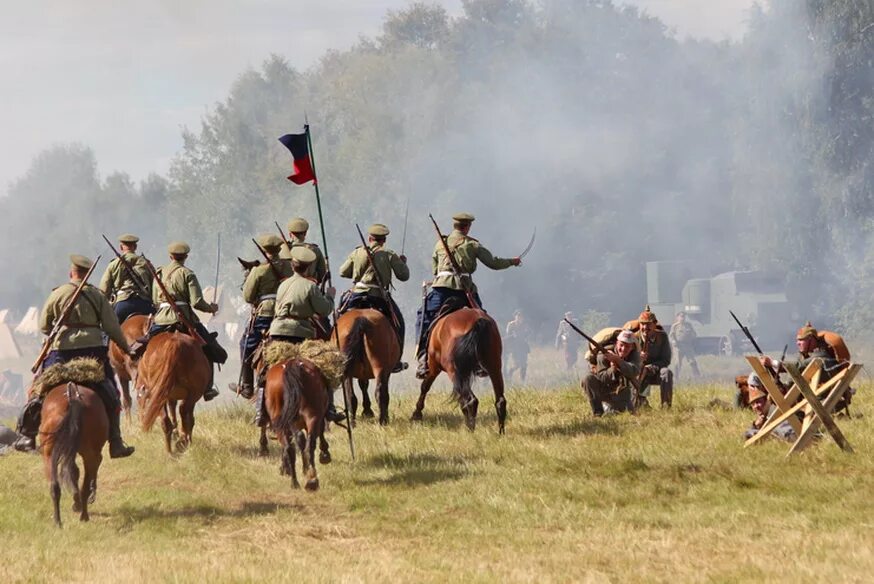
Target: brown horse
(173,369)
(371,348)
(296,399)
(462,343)
(134,327)
(74,422)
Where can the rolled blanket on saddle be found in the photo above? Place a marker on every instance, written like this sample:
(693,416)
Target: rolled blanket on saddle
(82,371)
(324,355)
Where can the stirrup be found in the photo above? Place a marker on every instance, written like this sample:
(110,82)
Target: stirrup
(401,366)
(25,444)
(120,450)
(210,393)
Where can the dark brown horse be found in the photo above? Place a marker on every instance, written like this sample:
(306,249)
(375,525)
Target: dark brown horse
(134,327)
(371,348)
(462,343)
(174,370)
(296,399)
(74,422)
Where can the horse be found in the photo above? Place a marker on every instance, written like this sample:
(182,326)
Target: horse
(296,399)
(371,347)
(460,344)
(134,327)
(74,421)
(173,369)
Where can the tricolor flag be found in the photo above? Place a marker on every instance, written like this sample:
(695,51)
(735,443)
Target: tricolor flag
(303,168)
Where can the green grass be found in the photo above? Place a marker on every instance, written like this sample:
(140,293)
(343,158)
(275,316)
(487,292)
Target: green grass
(666,496)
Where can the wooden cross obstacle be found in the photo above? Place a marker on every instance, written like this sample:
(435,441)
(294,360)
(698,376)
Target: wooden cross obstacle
(807,391)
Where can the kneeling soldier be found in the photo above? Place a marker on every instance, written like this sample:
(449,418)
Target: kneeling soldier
(656,358)
(610,381)
(80,336)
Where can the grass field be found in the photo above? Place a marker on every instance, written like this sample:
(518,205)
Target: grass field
(666,496)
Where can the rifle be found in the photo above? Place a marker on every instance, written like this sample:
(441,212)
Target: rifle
(454,264)
(273,267)
(599,348)
(129,269)
(62,318)
(379,281)
(180,316)
(747,332)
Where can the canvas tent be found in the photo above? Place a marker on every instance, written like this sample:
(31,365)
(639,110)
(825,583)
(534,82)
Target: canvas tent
(29,325)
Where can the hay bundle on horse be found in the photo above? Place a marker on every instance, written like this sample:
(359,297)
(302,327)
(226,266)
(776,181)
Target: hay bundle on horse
(173,371)
(74,422)
(298,379)
(464,343)
(371,349)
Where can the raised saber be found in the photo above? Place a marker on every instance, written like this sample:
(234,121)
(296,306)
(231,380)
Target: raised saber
(218,257)
(406,216)
(529,246)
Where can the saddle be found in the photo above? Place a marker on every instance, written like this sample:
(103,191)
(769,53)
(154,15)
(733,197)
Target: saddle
(451,305)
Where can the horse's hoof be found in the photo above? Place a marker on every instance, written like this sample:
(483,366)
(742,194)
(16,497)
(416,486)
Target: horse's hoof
(416,417)
(85,518)
(383,420)
(77,506)
(263,452)
(295,485)
(312,485)
(368,414)
(325,457)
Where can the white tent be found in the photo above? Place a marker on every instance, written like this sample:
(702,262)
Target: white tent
(8,347)
(29,325)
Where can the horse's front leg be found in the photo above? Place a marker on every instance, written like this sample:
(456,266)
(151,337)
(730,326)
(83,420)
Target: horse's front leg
(382,380)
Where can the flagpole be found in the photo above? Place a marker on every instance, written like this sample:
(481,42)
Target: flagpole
(316,187)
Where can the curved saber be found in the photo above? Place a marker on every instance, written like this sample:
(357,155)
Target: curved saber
(530,245)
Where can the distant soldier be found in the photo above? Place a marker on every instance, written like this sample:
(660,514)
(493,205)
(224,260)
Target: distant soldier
(80,336)
(298,301)
(182,285)
(610,381)
(682,338)
(761,404)
(567,340)
(297,232)
(655,354)
(366,291)
(259,290)
(128,297)
(446,285)
(516,340)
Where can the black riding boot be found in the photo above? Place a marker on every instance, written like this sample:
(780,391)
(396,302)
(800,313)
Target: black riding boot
(211,390)
(261,417)
(28,425)
(332,415)
(246,389)
(117,447)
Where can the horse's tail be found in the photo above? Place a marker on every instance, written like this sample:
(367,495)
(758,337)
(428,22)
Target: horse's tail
(162,380)
(466,355)
(291,396)
(353,349)
(66,441)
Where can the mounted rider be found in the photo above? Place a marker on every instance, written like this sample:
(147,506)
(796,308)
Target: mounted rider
(128,295)
(367,288)
(447,285)
(260,290)
(185,292)
(297,232)
(81,336)
(298,302)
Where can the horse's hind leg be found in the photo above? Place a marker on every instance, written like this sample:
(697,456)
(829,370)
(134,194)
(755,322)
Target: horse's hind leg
(77,492)
(91,462)
(324,452)
(92,484)
(309,456)
(423,391)
(382,396)
(469,402)
(124,383)
(263,451)
(186,411)
(167,426)
(288,463)
(497,378)
(367,411)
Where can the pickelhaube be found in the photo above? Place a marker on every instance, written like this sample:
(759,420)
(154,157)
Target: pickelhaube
(806,331)
(647,316)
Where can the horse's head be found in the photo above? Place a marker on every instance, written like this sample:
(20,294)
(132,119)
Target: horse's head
(142,398)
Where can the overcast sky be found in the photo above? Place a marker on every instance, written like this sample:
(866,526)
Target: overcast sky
(124,76)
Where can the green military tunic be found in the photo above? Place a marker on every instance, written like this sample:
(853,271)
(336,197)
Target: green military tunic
(183,286)
(616,379)
(89,318)
(658,350)
(261,285)
(466,251)
(683,335)
(117,283)
(357,266)
(318,268)
(297,301)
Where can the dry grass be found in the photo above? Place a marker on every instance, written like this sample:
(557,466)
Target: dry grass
(667,496)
